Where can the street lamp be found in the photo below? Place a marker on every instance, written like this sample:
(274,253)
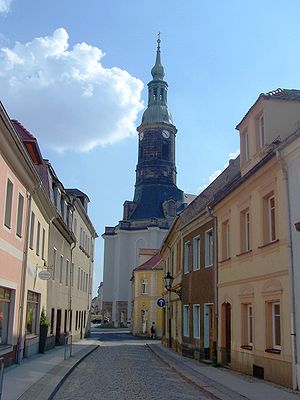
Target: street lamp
(168,280)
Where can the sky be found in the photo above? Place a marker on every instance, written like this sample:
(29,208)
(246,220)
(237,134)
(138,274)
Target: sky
(75,75)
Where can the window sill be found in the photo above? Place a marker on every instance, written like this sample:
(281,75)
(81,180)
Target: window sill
(244,253)
(30,336)
(196,269)
(273,351)
(246,347)
(268,244)
(209,266)
(5,348)
(224,260)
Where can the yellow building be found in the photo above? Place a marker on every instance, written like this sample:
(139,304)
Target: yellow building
(147,288)
(253,247)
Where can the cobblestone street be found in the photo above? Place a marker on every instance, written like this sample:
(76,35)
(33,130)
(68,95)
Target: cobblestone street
(126,372)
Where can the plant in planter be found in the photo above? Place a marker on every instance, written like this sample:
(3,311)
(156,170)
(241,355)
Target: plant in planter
(44,324)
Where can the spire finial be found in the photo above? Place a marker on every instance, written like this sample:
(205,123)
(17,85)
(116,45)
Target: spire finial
(158,70)
(158,40)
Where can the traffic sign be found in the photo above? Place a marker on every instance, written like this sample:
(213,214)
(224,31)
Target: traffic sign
(161,302)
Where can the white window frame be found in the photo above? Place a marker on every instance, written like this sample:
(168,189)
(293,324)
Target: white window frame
(276,346)
(250,329)
(61,268)
(261,127)
(186,320)
(31,233)
(38,238)
(144,286)
(186,255)
(270,222)
(196,321)
(19,216)
(209,248)
(247,151)
(247,231)
(8,205)
(196,253)
(54,262)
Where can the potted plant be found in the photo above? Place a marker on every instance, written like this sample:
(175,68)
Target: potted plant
(44,324)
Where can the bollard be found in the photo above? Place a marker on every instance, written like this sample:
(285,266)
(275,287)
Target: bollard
(71,344)
(66,345)
(1,375)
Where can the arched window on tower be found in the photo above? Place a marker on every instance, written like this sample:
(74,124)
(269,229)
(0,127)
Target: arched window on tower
(165,151)
(161,96)
(154,94)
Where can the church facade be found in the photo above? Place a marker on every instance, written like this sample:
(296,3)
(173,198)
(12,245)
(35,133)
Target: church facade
(156,201)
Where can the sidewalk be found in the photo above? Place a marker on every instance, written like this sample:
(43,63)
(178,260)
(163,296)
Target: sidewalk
(41,375)
(221,383)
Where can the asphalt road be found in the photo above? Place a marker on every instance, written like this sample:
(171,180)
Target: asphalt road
(124,368)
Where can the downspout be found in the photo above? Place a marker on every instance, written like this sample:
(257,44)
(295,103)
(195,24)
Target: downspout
(216,300)
(24,274)
(73,245)
(291,272)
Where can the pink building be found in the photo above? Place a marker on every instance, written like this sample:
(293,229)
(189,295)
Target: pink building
(18,179)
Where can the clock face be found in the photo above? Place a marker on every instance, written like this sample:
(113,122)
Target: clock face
(165,134)
(141,135)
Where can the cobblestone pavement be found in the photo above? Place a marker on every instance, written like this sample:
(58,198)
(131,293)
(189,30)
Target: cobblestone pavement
(126,372)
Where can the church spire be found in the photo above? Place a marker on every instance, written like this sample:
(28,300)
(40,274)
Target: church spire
(157,110)
(157,71)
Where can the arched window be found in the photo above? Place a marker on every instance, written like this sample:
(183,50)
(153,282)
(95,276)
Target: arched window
(165,151)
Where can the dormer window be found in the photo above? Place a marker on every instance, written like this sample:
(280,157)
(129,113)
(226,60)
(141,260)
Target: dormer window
(245,149)
(247,152)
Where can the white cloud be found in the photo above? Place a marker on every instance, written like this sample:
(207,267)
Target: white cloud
(65,96)
(5,5)
(216,173)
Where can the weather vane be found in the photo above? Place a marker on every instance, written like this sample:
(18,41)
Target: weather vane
(158,38)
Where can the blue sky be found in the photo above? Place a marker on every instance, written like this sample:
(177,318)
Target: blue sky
(79,88)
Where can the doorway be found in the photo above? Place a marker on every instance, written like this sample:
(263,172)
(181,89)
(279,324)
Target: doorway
(226,308)
(208,327)
(58,327)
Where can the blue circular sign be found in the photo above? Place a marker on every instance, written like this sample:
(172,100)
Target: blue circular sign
(161,302)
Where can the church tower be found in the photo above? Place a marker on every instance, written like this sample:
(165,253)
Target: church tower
(156,194)
(156,201)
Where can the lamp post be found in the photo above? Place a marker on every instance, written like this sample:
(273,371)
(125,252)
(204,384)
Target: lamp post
(168,279)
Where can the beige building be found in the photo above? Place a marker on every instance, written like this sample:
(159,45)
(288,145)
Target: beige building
(253,247)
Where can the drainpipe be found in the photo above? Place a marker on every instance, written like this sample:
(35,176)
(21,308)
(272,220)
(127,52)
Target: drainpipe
(73,245)
(291,271)
(24,274)
(216,300)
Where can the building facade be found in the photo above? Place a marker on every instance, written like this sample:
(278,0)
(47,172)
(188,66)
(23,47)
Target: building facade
(254,282)
(147,288)
(147,218)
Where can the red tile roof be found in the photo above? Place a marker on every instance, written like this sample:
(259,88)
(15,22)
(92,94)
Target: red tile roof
(151,264)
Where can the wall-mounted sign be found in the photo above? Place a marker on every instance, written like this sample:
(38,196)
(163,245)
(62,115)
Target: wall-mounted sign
(161,302)
(44,275)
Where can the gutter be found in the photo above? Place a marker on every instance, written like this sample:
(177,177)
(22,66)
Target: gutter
(291,271)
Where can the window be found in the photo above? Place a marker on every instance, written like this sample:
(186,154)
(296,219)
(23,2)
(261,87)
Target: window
(20,215)
(261,125)
(250,324)
(245,231)
(276,326)
(78,279)
(38,234)
(75,227)
(31,230)
(196,253)
(247,152)
(52,320)
(269,218)
(5,299)
(61,268)
(225,240)
(8,203)
(186,322)
(72,274)
(54,263)
(43,244)
(186,262)
(196,321)
(144,286)
(209,248)
(32,313)
(67,272)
